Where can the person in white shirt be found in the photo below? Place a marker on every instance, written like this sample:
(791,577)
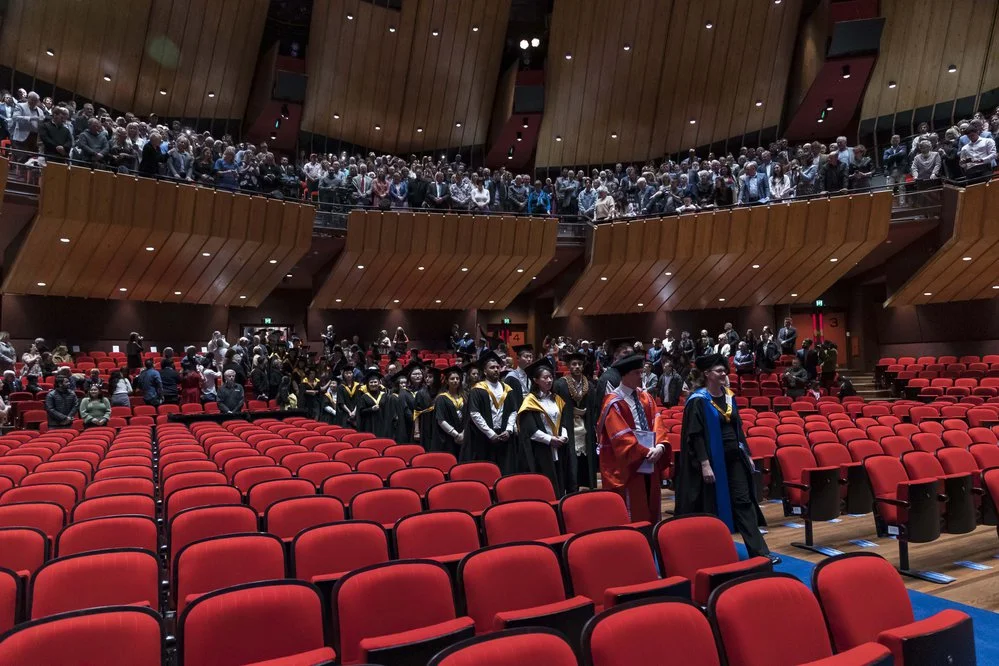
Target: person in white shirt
(723,347)
(209,380)
(217,347)
(978,156)
(541,423)
(480,197)
(493,414)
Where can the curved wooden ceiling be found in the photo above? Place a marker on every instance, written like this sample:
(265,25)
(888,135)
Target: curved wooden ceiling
(362,75)
(643,94)
(947,276)
(101,235)
(189,48)
(763,255)
(918,46)
(430,261)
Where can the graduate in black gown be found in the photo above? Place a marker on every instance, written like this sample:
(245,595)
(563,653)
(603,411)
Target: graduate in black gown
(517,379)
(472,375)
(347,394)
(491,411)
(544,430)
(375,411)
(578,392)
(328,400)
(610,379)
(450,414)
(397,387)
(423,403)
(715,473)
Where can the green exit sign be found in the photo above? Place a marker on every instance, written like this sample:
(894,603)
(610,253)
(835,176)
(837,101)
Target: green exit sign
(819,302)
(267,320)
(506,320)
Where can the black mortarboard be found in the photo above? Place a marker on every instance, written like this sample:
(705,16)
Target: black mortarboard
(705,363)
(467,367)
(629,364)
(413,365)
(454,368)
(541,364)
(487,357)
(372,373)
(614,344)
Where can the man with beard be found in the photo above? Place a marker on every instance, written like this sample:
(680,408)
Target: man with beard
(493,419)
(578,392)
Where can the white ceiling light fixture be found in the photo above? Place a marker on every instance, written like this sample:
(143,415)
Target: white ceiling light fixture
(63,240)
(150,249)
(272,261)
(524,44)
(437,301)
(122,289)
(206,254)
(927,293)
(41,284)
(535,42)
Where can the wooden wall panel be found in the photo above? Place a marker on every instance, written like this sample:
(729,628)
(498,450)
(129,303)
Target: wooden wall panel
(133,238)
(643,94)
(415,261)
(408,78)
(947,276)
(764,255)
(186,47)
(919,44)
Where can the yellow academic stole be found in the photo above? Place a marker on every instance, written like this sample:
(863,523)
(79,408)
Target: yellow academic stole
(727,412)
(352,389)
(532,404)
(497,403)
(458,402)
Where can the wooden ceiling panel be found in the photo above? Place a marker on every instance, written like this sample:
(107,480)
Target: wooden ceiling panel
(186,47)
(501,254)
(642,94)
(966,267)
(741,257)
(104,235)
(431,82)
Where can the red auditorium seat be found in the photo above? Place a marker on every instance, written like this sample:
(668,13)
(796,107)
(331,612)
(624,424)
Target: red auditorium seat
(353,456)
(522,520)
(445,536)
(383,466)
(438,459)
(23,549)
(700,549)
(325,553)
(593,509)
(486,472)
(108,532)
(223,561)
(94,636)
(385,505)
(318,472)
(419,479)
(45,516)
(287,517)
(374,618)
(346,486)
(642,632)
(190,525)
(111,577)
(528,646)
(614,565)
(525,487)
(748,637)
(245,479)
(864,600)
(471,496)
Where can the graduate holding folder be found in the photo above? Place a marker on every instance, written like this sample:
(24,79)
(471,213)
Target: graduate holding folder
(632,462)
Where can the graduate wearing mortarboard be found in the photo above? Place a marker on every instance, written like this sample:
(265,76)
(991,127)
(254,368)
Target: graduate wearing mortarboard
(493,418)
(450,413)
(375,411)
(517,378)
(544,428)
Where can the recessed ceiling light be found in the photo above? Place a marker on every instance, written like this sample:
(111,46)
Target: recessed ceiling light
(176,293)
(641,305)
(435,33)
(927,293)
(794,295)
(163,91)
(49,52)
(360,267)
(419,130)
(41,284)
(557,138)
(378,128)
(525,123)
(820,120)
(509,157)
(495,301)
(63,240)
(579,307)
(391,28)
(667,274)
(759,102)
(535,42)
(339,300)
(892,85)
(846,71)
(211,93)
(722,300)
(568,56)
(952,68)
(419,268)
(350,17)
(693,121)
(150,249)
(604,278)
(627,47)
(242,297)
(273,261)
(520,270)
(756,265)
(206,254)
(437,301)
(524,44)
(995,286)
(475,28)
(709,25)
(613,135)
(395,300)
(464,269)
(289,275)
(829,105)
(336,116)
(107,77)
(833,260)
(965,258)
(122,289)
(535,277)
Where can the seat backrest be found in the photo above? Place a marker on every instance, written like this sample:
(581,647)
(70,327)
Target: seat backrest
(223,561)
(124,472)
(264,494)
(119,576)
(529,645)
(287,517)
(497,579)
(191,525)
(525,487)
(928,442)
(750,638)
(642,632)
(109,532)
(437,459)
(354,456)
(957,439)
(379,444)
(689,543)
(861,595)
(860,449)
(383,466)
(247,478)
(830,454)
(885,473)
(922,465)
(436,533)
(10,599)
(608,557)
(337,548)
(385,505)
(895,445)
(379,600)
(23,548)
(519,520)
(94,636)
(48,517)
(957,461)
(986,455)
(191,479)
(275,619)
(472,496)
(486,472)
(200,496)
(346,486)
(591,510)
(419,479)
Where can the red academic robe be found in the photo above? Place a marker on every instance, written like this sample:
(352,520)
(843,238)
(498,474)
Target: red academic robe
(621,455)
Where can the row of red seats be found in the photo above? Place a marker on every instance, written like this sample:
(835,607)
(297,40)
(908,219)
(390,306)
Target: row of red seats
(943,360)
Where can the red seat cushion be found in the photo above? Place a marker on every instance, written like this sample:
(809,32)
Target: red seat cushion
(611,594)
(317,656)
(862,655)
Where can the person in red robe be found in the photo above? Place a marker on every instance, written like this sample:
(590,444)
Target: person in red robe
(627,467)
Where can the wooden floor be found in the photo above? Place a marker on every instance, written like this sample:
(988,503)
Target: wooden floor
(975,588)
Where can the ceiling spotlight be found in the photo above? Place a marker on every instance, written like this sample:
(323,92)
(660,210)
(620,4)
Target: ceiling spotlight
(491,302)
(391,28)
(667,274)
(211,93)
(965,258)
(63,240)
(892,85)
(163,91)
(820,120)
(419,130)
(613,135)
(794,295)
(829,105)
(206,254)
(756,265)
(464,269)
(339,300)
(693,121)
(776,2)
(927,293)
(150,249)
(122,289)
(524,44)
(641,305)
(49,52)
(458,124)
(41,284)
(437,301)
(846,71)
(709,25)
(535,42)
(475,28)
(107,77)
(395,300)
(833,260)
(509,157)
(525,123)
(627,47)
(350,17)
(722,300)
(557,138)
(336,116)
(176,293)
(419,268)
(568,56)
(520,270)
(520,137)
(242,297)
(273,261)
(273,136)
(604,278)
(289,275)
(579,307)
(759,102)
(360,267)
(952,68)
(995,286)
(378,128)
(285,113)
(435,33)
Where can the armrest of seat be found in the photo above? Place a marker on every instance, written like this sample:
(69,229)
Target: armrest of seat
(506,618)
(946,637)
(674,586)
(795,484)
(317,657)
(892,501)
(707,579)
(865,654)
(431,639)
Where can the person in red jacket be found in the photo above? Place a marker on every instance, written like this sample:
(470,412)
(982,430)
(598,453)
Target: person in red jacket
(632,458)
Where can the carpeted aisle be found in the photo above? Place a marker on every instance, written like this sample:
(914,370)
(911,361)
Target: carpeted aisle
(924,605)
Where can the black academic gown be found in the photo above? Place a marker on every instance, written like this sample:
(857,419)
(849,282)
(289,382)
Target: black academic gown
(423,412)
(456,415)
(477,446)
(609,380)
(329,399)
(379,422)
(400,433)
(516,390)
(346,403)
(407,401)
(538,456)
(585,476)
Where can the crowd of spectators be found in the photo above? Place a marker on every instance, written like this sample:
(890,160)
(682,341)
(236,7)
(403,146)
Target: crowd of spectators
(753,175)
